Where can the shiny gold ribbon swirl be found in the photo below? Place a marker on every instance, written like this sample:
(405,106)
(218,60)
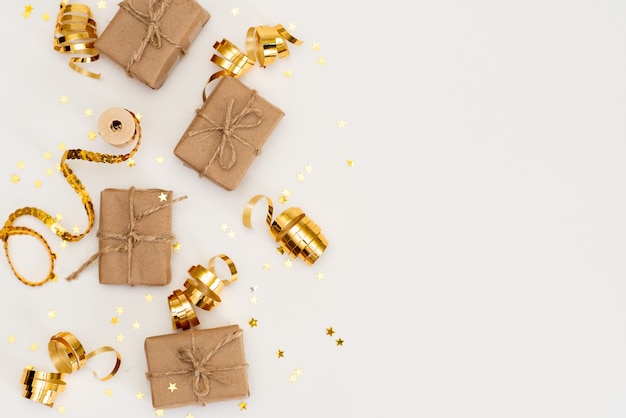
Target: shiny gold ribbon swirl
(234,62)
(296,233)
(9,229)
(265,43)
(67,355)
(75,33)
(201,289)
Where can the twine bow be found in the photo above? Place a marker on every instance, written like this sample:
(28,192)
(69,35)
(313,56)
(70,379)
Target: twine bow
(231,124)
(154,34)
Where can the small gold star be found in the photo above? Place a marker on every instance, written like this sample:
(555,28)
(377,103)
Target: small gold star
(176,246)
(330,331)
(88,112)
(136,325)
(253,300)
(92,135)
(102,4)
(26,14)
(298,372)
(48,172)
(293,378)
(58,167)
(308,169)
(172,387)
(319,276)
(76,229)
(252,322)
(300,177)
(45,17)
(119,310)
(11,339)
(148,297)
(131,162)
(139,396)
(28,8)
(63,244)
(350,163)
(224,227)
(243,405)
(138,116)
(288,73)
(291,27)
(61,146)
(64,99)
(158,412)
(47,155)
(58,217)
(234,11)
(115,320)
(283,199)
(21,165)
(160,159)
(341,123)
(52,313)
(285,192)
(288,264)
(61,409)
(280,353)
(231,234)
(280,250)
(339,342)
(120,338)
(34,346)
(315,46)
(162,197)
(108,392)
(15,178)
(267,265)
(189,415)
(321,61)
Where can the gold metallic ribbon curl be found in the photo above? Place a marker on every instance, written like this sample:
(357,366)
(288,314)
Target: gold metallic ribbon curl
(75,33)
(9,229)
(201,289)
(67,355)
(296,233)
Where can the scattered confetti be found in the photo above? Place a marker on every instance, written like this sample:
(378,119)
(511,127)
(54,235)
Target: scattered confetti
(158,412)
(162,197)
(330,331)
(280,250)
(120,338)
(61,409)
(58,167)
(63,244)
(64,99)
(21,165)
(139,396)
(321,61)
(288,264)
(108,392)
(319,276)
(253,322)
(58,216)
(293,378)
(267,265)
(148,297)
(339,342)
(52,313)
(45,17)
(224,227)
(11,339)
(280,353)
(61,146)
(341,123)
(131,162)
(115,320)
(243,405)
(231,234)
(234,11)
(27,10)
(291,27)
(48,172)
(288,73)
(34,346)
(176,246)
(254,288)
(172,387)
(76,229)
(119,310)
(189,415)
(285,192)
(283,199)
(92,135)
(102,4)
(350,163)
(160,159)
(136,325)
(15,178)
(298,372)
(315,46)
(253,300)
(47,155)
(308,169)
(88,112)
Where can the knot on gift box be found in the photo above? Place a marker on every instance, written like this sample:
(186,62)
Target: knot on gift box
(154,34)
(201,370)
(228,128)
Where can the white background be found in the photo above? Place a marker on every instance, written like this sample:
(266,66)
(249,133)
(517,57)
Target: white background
(475,265)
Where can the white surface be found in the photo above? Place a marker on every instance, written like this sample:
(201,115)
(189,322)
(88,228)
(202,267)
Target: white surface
(475,266)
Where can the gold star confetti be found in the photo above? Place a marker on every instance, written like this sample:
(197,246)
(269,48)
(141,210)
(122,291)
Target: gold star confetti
(58,167)
(253,300)
(280,250)
(339,342)
(64,99)
(108,392)
(162,197)
(160,159)
(293,378)
(252,322)
(21,165)
(234,11)
(350,163)
(148,297)
(243,405)
(48,172)
(92,135)
(280,353)
(224,227)
(115,320)
(11,339)
(319,276)
(120,338)
(285,192)
(61,409)
(288,73)
(298,372)
(300,177)
(52,313)
(138,116)
(45,17)
(47,155)
(231,234)
(28,8)
(61,146)
(102,4)
(136,325)
(15,178)
(330,331)
(34,346)
(139,396)
(341,123)
(308,169)
(131,162)
(288,264)
(119,310)
(63,244)
(283,199)
(172,387)
(76,229)
(321,61)
(176,246)
(158,412)
(291,27)
(267,265)
(58,217)
(189,415)
(315,46)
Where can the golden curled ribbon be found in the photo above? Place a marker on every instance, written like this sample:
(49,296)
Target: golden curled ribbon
(67,355)
(75,33)
(201,289)
(234,62)
(296,233)
(9,229)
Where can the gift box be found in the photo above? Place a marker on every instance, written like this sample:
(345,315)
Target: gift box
(148,37)
(196,367)
(228,133)
(135,236)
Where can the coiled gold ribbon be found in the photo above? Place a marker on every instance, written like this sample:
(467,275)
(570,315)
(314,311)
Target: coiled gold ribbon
(263,45)
(75,33)
(9,229)
(201,289)
(296,233)
(67,355)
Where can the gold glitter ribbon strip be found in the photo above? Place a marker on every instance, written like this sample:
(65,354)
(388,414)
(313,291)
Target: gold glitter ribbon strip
(265,43)
(200,368)
(10,229)
(75,33)
(296,233)
(201,289)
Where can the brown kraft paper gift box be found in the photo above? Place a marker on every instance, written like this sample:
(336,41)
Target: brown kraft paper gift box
(136,253)
(149,52)
(228,133)
(220,373)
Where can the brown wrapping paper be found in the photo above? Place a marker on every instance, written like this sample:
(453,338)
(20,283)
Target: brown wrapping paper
(150,246)
(179,25)
(199,148)
(224,373)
